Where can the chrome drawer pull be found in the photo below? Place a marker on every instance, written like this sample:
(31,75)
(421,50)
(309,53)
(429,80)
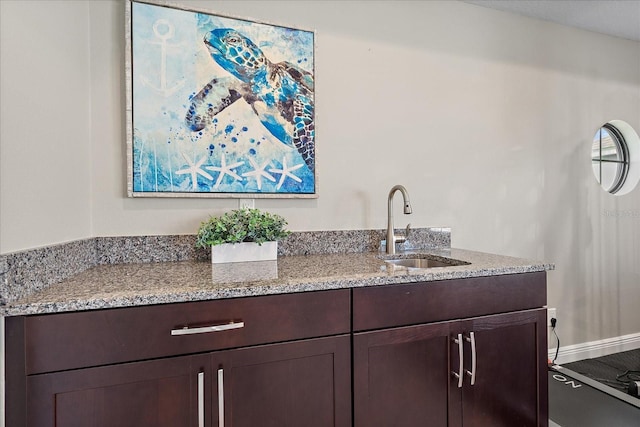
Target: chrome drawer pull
(459,374)
(205,329)
(201,399)
(472,339)
(220,397)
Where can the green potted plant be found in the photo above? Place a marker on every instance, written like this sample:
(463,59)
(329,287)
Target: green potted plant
(242,235)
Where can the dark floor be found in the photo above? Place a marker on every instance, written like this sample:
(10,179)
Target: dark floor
(575,402)
(614,370)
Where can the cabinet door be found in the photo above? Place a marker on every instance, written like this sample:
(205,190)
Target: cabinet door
(305,383)
(511,373)
(142,394)
(401,376)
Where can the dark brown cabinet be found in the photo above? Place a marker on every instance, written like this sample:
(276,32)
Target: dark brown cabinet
(292,384)
(160,393)
(270,361)
(488,370)
(305,383)
(451,353)
(510,384)
(401,376)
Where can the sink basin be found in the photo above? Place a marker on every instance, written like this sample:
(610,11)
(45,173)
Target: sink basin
(424,262)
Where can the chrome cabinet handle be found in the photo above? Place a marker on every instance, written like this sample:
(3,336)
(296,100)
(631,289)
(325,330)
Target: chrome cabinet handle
(472,339)
(205,329)
(459,374)
(201,399)
(220,397)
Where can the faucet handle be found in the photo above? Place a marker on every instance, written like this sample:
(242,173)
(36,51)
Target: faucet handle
(407,231)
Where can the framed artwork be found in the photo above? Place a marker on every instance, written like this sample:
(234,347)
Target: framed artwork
(218,106)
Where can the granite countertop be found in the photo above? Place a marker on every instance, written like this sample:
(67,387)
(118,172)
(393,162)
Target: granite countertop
(126,285)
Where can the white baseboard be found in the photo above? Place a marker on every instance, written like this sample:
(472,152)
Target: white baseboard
(589,350)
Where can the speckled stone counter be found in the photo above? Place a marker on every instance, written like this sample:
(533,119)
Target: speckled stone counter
(124,285)
(25,272)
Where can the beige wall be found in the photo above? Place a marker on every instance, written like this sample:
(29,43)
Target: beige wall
(485,117)
(45,129)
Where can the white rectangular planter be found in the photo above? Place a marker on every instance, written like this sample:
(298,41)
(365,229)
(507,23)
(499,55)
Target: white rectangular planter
(243,252)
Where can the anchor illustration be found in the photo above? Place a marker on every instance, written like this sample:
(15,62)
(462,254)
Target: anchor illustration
(164,31)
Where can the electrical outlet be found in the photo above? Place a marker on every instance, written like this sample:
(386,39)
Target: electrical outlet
(246,203)
(551,313)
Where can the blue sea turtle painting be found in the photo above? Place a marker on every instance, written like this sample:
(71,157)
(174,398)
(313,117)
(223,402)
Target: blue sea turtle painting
(281,94)
(219,106)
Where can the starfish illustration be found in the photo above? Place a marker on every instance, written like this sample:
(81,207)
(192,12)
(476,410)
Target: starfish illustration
(225,169)
(258,172)
(286,172)
(194,170)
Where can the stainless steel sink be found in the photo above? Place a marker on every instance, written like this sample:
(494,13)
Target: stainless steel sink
(424,262)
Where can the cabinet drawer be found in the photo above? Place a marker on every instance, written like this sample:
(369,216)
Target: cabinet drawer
(410,304)
(73,340)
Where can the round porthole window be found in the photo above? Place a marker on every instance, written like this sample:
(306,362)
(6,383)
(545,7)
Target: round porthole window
(615,153)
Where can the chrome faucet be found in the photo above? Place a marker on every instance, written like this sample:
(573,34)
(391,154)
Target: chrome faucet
(392,239)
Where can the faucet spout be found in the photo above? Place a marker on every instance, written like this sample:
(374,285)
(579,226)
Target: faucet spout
(391,236)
